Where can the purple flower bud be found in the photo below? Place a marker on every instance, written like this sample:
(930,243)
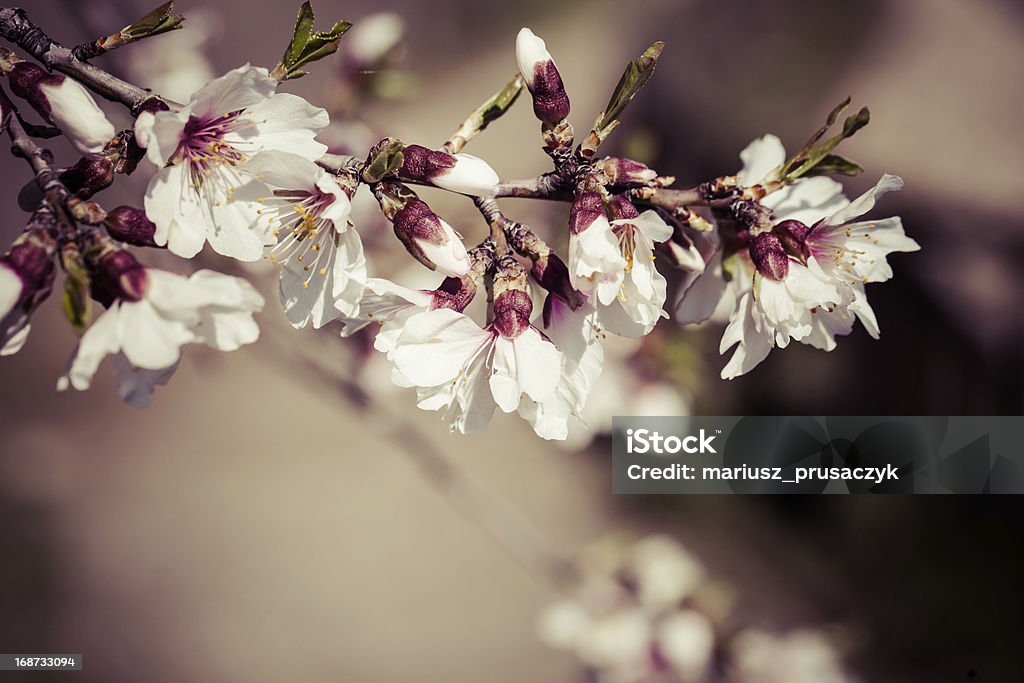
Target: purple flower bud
(462,173)
(423,164)
(131,226)
(769,256)
(793,235)
(64,103)
(512,309)
(26,279)
(620,208)
(93,173)
(117,276)
(553,275)
(585,209)
(430,240)
(622,171)
(550,102)
(454,293)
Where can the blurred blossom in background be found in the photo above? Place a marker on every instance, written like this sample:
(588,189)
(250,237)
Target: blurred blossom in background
(284,512)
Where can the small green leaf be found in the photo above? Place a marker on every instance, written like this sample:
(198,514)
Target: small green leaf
(814,153)
(160,20)
(635,77)
(307,45)
(500,102)
(75,300)
(833,164)
(385,160)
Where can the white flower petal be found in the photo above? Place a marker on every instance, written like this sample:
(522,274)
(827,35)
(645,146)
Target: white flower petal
(236,90)
(74,111)
(759,158)
(864,203)
(289,123)
(436,345)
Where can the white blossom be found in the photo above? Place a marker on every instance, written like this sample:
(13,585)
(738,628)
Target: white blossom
(468,370)
(596,264)
(203,191)
(576,335)
(820,296)
(637,306)
(145,329)
(323,269)
(726,275)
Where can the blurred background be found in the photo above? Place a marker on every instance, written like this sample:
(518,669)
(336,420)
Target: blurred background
(280,513)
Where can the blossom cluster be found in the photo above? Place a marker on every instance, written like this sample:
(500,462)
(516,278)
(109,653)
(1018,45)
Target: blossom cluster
(648,611)
(240,169)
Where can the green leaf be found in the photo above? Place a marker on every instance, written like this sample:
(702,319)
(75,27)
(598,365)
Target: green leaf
(635,77)
(75,300)
(160,20)
(385,160)
(814,153)
(833,164)
(500,102)
(307,45)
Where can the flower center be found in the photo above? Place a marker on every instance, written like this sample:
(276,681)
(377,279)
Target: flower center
(304,233)
(204,148)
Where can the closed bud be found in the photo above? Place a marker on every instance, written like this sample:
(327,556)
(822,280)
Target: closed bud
(553,275)
(585,209)
(430,239)
(131,226)
(620,171)
(793,235)
(26,279)
(93,173)
(769,256)
(455,293)
(64,103)
(620,208)
(461,173)
(117,276)
(550,102)
(512,303)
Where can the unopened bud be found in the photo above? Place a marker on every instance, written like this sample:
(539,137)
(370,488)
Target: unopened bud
(93,173)
(64,103)
(26,279)
(620,208)
(621,171)
(793,235)
(552,274)
(430,240)
(512,303)
(550,102)
(131,226)
(585,209)
(117,276)
(769,256)
(461,173)
(455,293)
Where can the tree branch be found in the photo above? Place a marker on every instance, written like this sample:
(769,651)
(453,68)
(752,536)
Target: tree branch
(16,27)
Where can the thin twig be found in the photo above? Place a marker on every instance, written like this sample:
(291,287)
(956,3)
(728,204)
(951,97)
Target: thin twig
(16,27)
